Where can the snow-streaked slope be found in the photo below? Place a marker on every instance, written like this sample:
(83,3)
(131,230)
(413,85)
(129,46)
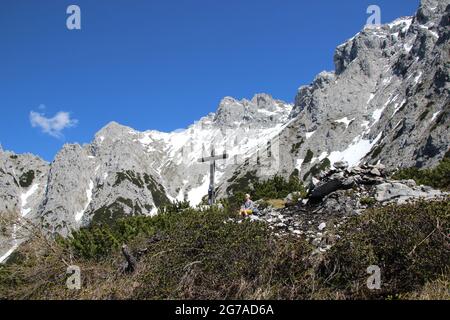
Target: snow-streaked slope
(25,209)
(239,129)
(79,214)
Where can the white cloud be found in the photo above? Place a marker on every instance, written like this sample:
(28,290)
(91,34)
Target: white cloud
(52,126)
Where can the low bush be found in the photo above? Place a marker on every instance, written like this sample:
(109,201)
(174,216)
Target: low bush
(409,243)
(438,177)
(194,254)
(368,201)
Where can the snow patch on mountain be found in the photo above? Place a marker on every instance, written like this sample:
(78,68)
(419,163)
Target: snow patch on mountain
(79,214)
(24,199)
(354,152)
(345,121)
(435,116)
(310,134)
(196,194)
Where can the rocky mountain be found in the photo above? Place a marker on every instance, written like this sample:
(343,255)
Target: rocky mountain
(124,171)
(386,102)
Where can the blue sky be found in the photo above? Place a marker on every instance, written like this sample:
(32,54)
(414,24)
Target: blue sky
(158,64)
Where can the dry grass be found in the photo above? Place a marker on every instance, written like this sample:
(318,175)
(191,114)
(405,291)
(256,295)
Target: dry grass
(276,203)
(438,289)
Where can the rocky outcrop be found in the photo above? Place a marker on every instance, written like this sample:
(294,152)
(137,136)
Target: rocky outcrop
(338,195)
(401,192)
(345,178)
(261,111)
(23,181)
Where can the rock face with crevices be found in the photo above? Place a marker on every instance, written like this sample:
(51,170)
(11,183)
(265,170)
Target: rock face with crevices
(23,181)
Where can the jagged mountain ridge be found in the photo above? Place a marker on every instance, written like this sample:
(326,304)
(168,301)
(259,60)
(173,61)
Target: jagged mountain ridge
(129,172)
(386,102)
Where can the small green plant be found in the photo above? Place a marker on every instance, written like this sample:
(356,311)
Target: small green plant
(296,146)
(368,201)
(318,168)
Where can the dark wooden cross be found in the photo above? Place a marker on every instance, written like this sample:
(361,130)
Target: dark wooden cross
(212,172)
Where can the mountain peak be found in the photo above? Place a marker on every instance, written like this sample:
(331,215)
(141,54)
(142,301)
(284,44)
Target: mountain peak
(113,125)
(261,109)
(113,130)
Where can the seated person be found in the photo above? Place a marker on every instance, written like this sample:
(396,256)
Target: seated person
(248,208)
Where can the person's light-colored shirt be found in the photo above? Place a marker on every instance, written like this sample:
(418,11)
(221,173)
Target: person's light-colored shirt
(248,205)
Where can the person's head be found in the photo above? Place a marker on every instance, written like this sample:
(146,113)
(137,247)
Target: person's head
(247,197)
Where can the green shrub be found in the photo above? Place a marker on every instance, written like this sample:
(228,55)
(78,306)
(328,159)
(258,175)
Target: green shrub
(197,255)
(176,207)
(318,168)
(309,156)
(438,177)
(214,259)
(99,240)
(273,188)
(409,243)
(368,201)
(277,188)
(296,146)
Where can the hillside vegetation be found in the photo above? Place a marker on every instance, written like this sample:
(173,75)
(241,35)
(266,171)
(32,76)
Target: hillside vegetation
(276,187)
(438,177)
(193,254)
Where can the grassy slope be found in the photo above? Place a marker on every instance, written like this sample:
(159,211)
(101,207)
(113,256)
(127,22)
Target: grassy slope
(200,255)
